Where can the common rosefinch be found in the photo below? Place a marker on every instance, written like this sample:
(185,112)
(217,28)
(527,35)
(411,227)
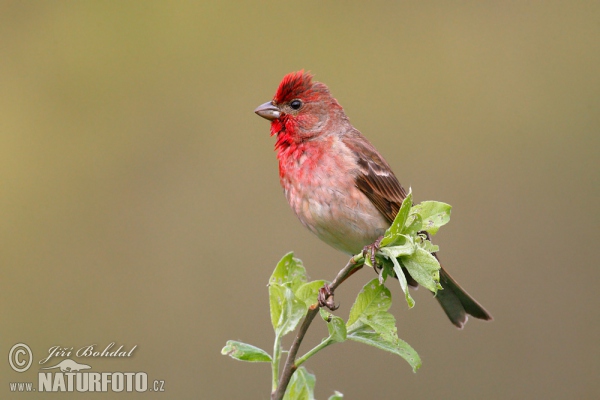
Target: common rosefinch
(337,183)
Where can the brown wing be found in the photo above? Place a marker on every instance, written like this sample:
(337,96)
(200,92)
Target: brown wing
(377,181)
(375,177)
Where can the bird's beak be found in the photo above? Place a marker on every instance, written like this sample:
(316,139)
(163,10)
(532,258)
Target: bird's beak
(268,111)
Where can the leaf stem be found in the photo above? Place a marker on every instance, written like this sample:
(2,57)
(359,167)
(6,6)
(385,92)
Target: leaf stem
(313,351)
(275,361)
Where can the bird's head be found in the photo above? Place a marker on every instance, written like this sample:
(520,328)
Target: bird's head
(301,108)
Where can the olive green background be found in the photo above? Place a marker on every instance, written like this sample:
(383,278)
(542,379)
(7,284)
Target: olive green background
(140,202)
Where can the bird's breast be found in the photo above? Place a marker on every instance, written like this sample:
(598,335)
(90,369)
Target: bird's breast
(319,183)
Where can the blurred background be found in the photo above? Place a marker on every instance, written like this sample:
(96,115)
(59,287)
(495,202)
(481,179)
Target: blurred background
(140,201)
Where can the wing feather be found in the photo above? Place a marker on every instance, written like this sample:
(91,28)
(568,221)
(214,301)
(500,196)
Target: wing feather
(377,181)
(375,177)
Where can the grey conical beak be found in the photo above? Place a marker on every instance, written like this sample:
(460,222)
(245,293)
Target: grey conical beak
(268,111)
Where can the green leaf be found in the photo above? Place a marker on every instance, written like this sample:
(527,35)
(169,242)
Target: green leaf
(301,386)
(403,282)
(424,268)
(373,297)
(292,315)
(397,226)
(387,269)
(245,352)
(434,215)
(290,272)
(382,323)
(326,315)
(428,246)
(336,396)
(337,329)
(397,346)
(374,326)
(414,223)
(286,309)
(309,292)
(403,246)
(276,300)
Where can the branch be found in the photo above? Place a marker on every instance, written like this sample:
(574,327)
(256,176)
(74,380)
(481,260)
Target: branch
(325,300)
(290,365)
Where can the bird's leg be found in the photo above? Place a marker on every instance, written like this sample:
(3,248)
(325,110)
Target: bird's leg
(370,251)
(326,298)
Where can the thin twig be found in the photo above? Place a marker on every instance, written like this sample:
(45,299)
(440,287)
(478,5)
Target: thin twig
(290,367)
(290,362)
(352,264)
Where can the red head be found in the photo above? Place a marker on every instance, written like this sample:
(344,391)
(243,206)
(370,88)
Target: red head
(301,108)
(296,85)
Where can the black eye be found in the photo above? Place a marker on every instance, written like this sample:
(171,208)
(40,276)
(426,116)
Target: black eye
(296,104)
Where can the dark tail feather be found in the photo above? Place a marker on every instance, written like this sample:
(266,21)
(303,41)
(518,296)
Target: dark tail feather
(457,303)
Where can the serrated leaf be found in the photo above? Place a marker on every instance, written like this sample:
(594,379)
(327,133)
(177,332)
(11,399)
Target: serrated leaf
(434,214)
(309,292)
(397,346)
(403,283)
(336,396)
(337,329)
(397,226)
(286,309)
(301,386)
(245,352)
(424,268)
(290,272)
(373,297)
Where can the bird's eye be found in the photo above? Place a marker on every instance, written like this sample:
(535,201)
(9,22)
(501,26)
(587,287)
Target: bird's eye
(296,104)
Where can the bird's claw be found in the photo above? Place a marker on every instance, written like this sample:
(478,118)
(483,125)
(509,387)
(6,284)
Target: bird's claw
(371,249)
(326,298)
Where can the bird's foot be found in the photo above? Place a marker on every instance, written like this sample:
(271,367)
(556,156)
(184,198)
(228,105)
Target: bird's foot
(326,298)
(370,251)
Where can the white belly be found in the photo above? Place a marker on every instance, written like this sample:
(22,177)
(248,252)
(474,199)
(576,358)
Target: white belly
(347,221)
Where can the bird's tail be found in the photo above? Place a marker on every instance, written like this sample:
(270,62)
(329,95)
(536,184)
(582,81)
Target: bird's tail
(457,303)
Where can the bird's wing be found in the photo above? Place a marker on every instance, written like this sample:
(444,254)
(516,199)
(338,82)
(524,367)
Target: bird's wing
(375,177)
(377,181)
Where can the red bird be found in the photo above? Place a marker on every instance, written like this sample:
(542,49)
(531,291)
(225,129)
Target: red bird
(337,183)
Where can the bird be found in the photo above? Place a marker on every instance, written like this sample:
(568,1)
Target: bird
(338,185)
